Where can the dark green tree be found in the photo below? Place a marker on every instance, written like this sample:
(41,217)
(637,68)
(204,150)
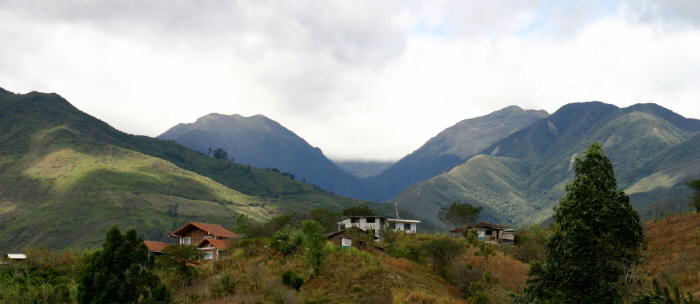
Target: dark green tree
(695,200)
(596,239)
(220,154)
(121,272)
(315,242)
(361,210)
(459,214)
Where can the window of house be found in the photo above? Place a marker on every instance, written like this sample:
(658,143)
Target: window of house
(355,220)
(208,236)
(208,255)
(406,226)
(488,232)
(186,240)
(371,220)
(392,225)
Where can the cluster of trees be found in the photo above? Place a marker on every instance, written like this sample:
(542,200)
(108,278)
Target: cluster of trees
(219,153)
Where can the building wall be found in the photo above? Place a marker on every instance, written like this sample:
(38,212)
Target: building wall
(196,235)
(363,224)
(400,227)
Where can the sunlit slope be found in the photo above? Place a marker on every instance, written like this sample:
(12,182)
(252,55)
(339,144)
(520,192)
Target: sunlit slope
(449,148)
(65,177)
(521,177)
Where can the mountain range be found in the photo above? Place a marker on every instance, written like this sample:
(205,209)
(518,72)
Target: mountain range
(66,177)
(261,142)
(520,178)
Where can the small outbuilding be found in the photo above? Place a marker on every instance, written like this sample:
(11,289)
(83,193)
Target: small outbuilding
(352,237)
(13,258)
(489,232)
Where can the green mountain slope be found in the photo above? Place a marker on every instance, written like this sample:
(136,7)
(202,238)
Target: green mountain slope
(66,177)
(520,178)
(261,142)
(449,148)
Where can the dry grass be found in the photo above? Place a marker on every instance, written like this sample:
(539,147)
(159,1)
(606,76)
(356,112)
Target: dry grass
(349,276)
(673,251)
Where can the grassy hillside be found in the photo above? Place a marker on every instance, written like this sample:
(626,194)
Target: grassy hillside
(673,251)
(520,178)
(351,276)
(65,177)
(449,148)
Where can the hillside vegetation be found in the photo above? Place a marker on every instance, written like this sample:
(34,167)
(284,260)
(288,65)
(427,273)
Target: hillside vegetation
(449,148)
(65,177)
(673,251)
(518,179)
(252,271)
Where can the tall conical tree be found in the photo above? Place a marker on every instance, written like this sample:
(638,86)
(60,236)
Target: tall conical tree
(121,272)
(596,237)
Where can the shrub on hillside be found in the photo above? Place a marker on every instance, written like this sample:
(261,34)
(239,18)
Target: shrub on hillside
(441,252)
(287,242)
(292,279)
(529,246)
(223,287)
(176,264)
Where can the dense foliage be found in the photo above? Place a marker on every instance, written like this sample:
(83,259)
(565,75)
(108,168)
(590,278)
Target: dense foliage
(45,277)
(176,261)
(596,239)
(459,214)
(121,272)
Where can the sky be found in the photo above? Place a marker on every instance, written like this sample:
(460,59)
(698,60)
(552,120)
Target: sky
(358,79)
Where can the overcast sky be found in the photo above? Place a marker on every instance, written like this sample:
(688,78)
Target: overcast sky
(359,79)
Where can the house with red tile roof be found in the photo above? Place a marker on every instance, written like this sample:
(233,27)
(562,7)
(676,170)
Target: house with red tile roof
(156,247)
(209,238)
(194,232)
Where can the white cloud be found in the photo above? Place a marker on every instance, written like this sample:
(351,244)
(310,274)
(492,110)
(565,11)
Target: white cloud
(359,79)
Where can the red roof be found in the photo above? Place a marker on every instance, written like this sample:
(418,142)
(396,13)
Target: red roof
(218,244)
(156,246)
(212,229)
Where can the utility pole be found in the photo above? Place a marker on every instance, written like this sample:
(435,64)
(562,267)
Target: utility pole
(397,210)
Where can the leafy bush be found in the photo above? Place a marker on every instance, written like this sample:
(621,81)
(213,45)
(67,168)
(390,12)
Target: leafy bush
(286,242)
(176,264)
(224,287)
(441,252)
(665,295)
(292,279)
